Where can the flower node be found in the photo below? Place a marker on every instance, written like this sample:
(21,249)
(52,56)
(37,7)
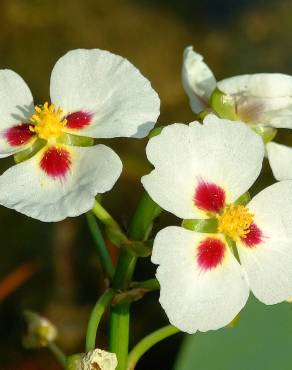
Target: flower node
(47,121)
(235,221)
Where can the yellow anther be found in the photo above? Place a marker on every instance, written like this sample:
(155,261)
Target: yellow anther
(235,221)
(48,123)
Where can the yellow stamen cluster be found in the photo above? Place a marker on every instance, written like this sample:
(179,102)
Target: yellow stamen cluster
(235,221)
(47,121)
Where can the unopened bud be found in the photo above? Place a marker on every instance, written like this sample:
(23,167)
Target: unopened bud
(96,360)
(39,331)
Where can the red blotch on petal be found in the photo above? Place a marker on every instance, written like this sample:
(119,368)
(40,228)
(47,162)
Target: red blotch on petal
(18,135)
(56,162)
(210,253)
(254,237)
(209,197)
(78,120)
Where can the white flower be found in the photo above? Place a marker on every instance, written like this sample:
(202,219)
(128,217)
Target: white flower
(262,99)
(94,94)
(97,360)
(200,171)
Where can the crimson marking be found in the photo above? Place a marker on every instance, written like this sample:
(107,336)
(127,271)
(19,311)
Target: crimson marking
(209,197)
(56,162)
(78,120)
(254,236)
(18,135)
(210,253)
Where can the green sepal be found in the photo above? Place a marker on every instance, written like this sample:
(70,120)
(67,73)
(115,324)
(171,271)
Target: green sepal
(232,245)
(223,105)
(234,322)
(201,115)
(243,199)
(73,361)
(155,131)
(129,296)
(75,140)
(267,133)
(30,151)
(209,225)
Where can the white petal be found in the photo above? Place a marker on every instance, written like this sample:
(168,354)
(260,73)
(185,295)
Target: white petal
(196,299)
(268,264)
(28,189)
(198,79)
(264,98)
(280,158)
(222,152)
(121,100)
(16,106)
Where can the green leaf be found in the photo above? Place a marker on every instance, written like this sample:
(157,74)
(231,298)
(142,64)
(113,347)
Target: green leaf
(261,340)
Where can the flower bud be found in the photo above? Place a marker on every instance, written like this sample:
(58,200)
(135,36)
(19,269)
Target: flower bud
(95,360)
(39,331)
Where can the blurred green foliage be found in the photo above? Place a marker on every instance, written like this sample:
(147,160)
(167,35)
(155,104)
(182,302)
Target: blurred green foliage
(261,340)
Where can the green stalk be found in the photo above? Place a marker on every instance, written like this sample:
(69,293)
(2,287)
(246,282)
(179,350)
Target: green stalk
(150,284)
(95,317)
(58,353)
(139,229)
(149,341)
(103,215)
(101,247)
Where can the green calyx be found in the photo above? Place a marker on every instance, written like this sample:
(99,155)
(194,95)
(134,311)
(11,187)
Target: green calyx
(38,144)
(155,131)
(73,362)
(209,225)
(243,199)
(266,133)
(224,105)
(75,140)
(29,152)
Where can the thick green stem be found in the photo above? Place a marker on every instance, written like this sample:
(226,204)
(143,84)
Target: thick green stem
(144,215)
(101,247)
(95,317)
(139,229)
(149,341)
(58,353)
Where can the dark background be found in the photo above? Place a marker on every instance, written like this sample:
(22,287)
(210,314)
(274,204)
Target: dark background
(55,268)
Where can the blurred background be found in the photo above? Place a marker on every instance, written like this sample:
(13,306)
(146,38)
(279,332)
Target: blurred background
(53,268)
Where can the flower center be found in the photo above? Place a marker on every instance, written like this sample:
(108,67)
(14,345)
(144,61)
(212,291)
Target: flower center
(47,121)
(235,221)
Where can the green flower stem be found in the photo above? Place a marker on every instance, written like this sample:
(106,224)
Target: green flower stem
(95,317)
(58,353)
(137,291)
(149,341)
(101,247)
(139,229)
(103,215)
(151,284)
(144,215)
